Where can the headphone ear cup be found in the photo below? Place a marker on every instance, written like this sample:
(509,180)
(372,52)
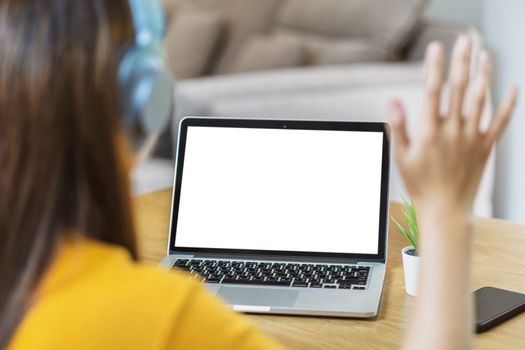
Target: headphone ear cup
(146,89)
(158,105)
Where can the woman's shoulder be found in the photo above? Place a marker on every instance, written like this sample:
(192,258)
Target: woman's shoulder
(95,292)
(96,297)
(108,272)
(111,269)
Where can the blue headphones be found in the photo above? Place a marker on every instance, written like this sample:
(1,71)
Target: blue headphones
(145,82)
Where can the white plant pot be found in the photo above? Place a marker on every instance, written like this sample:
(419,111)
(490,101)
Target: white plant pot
(411,271)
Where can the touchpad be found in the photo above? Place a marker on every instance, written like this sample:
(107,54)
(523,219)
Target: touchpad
(258,296)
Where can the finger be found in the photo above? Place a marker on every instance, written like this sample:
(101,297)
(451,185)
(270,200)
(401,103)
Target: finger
(503,116)
(398,121)
(481,87)
(458,77)
(434,62)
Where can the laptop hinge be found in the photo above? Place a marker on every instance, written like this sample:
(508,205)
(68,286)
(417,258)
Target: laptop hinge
(269,257)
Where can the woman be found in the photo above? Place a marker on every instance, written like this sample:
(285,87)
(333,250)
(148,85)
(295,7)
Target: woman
(68,271)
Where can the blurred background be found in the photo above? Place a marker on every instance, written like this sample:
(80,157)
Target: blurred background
(336,60)
(501,22)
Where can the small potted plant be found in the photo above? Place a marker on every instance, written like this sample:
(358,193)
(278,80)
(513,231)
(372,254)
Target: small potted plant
(410,253)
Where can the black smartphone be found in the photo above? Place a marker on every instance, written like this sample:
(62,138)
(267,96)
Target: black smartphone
(494,306)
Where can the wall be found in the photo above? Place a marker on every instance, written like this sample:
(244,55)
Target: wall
(464,11)
(502,22)
(504,25)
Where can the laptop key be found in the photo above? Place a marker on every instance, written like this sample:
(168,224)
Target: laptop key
(300,284)
(346,280)
(256,282)
(276,283)
(212,280)
(280,283)
(231,280)
(181,262)
(289,280)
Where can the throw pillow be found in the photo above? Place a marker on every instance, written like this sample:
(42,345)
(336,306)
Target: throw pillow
(245,18)
(191,41)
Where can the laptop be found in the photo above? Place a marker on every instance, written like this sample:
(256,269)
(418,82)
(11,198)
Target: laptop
(283,216)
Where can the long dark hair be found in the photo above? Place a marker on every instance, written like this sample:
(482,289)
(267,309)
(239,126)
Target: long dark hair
(60,169)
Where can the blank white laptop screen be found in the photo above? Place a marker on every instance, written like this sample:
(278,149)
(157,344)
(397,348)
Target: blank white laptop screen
(281,189)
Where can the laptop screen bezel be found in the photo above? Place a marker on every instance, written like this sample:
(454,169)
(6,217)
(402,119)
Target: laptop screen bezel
(281,124)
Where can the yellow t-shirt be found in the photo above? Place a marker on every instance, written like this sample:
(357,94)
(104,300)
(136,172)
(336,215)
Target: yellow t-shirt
(95,297)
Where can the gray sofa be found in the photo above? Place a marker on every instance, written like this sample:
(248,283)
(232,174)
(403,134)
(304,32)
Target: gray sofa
(357,85)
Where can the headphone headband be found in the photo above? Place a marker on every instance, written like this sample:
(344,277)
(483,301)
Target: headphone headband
(149,21)
(145,82)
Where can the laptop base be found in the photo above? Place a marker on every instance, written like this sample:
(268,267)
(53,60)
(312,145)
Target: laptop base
(300,301)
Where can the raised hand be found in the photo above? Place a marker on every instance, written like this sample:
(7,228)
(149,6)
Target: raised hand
(442,168)
(445,160)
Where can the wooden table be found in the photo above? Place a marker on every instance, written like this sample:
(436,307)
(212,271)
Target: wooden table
(499,261)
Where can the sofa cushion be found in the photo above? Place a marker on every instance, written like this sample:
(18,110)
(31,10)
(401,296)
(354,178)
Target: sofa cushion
(389,23)
(191,41)
(264,52)
(325,50)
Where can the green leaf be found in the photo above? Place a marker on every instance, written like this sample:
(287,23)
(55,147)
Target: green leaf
(411,225)
(415,226)
(408,219)
(404,232)
(409,212)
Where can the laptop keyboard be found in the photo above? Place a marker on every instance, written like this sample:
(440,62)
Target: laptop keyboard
(277,274)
